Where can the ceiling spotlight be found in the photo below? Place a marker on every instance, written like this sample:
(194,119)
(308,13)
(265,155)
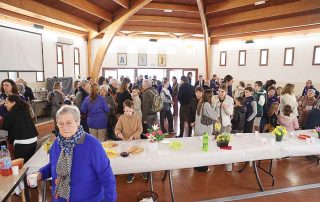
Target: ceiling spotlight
(249,41)
(167,10)
(259,2)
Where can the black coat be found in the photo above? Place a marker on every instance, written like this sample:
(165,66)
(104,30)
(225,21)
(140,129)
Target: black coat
(19,125)
(121,97)
(192,110)
(239,118)
(186,93)
(28,94)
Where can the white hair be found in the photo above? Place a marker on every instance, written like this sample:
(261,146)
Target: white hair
(114,81)
(148,82)
(84,82)
(21,88)
(104,87)
(69,109)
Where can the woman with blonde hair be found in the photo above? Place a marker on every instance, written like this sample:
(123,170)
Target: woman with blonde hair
(96,109)
(288,98)
(123,94)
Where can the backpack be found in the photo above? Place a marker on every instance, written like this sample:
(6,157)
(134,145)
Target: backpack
(48,104)
(157,103)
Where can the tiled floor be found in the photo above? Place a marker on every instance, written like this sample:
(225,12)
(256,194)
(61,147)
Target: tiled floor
(190,185)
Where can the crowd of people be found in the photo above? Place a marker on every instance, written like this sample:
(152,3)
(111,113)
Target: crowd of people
(112,109)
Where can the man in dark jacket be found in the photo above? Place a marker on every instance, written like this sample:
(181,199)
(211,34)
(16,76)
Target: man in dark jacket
(149,117)
(229,80)
(186,92)
(239,116)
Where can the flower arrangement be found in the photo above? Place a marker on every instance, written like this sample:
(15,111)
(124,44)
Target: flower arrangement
(318,130)
(155,134)
(223,139)
(279,132)
(47,144)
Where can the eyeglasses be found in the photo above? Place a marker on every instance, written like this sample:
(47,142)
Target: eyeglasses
(68,124)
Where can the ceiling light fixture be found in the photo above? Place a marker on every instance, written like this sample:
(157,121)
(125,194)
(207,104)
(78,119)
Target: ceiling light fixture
(167,10)
(259,2)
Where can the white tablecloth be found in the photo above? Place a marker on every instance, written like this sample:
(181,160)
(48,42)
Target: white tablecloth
(247,147)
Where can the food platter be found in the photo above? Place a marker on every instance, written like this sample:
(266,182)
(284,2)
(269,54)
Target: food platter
(109,144)
(302,136)
(111,153)
(136,150)
(176,145)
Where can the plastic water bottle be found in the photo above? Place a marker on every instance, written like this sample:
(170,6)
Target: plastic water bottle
(5,162)
(205,142)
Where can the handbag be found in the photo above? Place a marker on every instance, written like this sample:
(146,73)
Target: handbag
(206,120)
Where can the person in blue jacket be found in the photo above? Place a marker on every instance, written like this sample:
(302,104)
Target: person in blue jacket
(96,108)
(313,118)
(79,166)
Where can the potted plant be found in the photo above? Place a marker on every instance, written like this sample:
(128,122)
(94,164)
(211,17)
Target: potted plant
(48,144)
(279,132)
(154,136)
(318,130)
(223,140)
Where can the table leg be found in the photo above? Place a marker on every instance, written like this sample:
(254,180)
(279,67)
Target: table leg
(244,167)
(151,181)
(257,176)
(165,175)
(26,189)
(44,191)
(171,185)
(268,172)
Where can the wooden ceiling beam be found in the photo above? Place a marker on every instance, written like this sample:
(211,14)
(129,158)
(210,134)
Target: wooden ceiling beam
(48,12)
(123,3)
(161,29)
(228,5)
(17,18)
(173,7)
(122,17)
(207,46)
(89,7)
(271,25)
(289,9)
(164,19)
(269,33)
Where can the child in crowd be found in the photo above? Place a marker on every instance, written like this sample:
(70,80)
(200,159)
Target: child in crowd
(251,105)
(288,119)
(129,127)
(260,97)
(136,100)
(239,116)
(272,117)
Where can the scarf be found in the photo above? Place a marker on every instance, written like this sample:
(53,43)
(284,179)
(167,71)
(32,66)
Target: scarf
(64,164)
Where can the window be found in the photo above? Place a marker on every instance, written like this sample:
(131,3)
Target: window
(13,75)
(76,62)
(316,55)
(242,57)
(60,69)
(288,56)
(223,58)
(264,54)
(39,76)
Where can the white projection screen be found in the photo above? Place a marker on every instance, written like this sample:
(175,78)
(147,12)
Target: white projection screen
(20,50)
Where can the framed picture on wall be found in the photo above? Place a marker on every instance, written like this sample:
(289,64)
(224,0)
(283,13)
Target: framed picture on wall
(142,59)
(122,59)
(162,60)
